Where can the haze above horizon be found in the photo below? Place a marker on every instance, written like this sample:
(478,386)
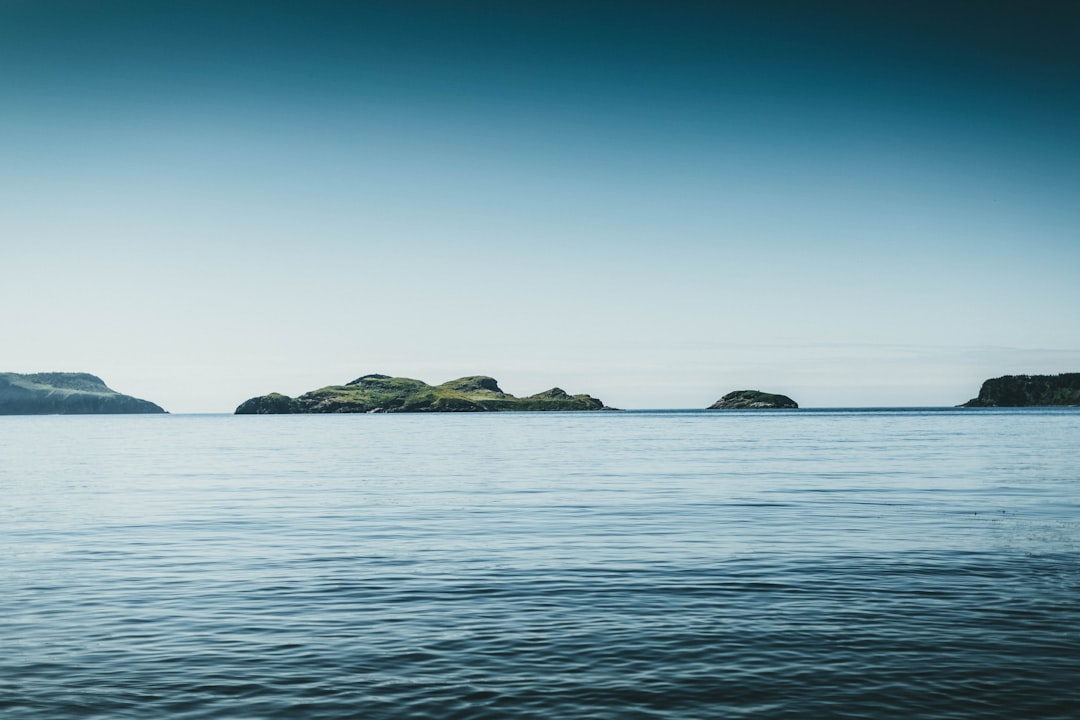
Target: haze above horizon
(853,204)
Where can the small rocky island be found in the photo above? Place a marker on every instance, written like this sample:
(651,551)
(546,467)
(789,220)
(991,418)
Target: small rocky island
(1029,391)
(60,393)
(753,400)
(385,394)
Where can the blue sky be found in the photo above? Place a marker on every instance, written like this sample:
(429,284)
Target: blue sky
(657,203)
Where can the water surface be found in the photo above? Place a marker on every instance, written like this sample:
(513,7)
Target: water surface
(827,564)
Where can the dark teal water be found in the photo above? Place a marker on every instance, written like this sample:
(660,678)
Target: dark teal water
(825,564)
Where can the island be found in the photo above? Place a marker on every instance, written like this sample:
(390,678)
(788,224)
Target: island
(63,393)
(753,400)
(386,394)
(1028,391)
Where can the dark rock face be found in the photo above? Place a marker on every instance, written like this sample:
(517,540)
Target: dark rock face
(65,394)
(272,404)
(753,400)
(1029,391)
(383,393)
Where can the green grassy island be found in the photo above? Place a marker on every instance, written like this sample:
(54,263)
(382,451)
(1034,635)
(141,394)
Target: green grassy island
(60,393)
(382,393)
(1029,391)
(753,400)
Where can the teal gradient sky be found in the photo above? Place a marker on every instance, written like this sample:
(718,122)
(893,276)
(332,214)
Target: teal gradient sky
(656,203)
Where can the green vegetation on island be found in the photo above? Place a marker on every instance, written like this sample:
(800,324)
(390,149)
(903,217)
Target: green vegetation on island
(1029,391)
(382,393)
(65,394)
(753,400)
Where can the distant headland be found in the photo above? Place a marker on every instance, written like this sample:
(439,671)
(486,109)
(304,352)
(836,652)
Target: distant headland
(386,394)
(753,400)
(66,393)
(58,393)
(1029,391)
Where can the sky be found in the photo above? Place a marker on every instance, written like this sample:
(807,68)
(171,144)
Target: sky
(854,204)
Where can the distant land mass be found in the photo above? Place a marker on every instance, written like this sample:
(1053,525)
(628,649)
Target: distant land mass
(753,400)
(386,394)
(1029,391)
(60,393)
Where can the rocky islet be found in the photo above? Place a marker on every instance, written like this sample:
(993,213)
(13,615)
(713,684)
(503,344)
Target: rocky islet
(754,400)
(378,393)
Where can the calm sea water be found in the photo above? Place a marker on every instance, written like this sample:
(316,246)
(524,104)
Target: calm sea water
(807,564)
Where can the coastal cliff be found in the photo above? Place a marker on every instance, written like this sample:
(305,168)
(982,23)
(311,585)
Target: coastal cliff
(753,400)
(1029,391)
(382,393)
(65,394)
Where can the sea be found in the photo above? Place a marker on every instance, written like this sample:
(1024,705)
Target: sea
(868,563)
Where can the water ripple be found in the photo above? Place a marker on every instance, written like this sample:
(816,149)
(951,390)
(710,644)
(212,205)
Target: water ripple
(692,579)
